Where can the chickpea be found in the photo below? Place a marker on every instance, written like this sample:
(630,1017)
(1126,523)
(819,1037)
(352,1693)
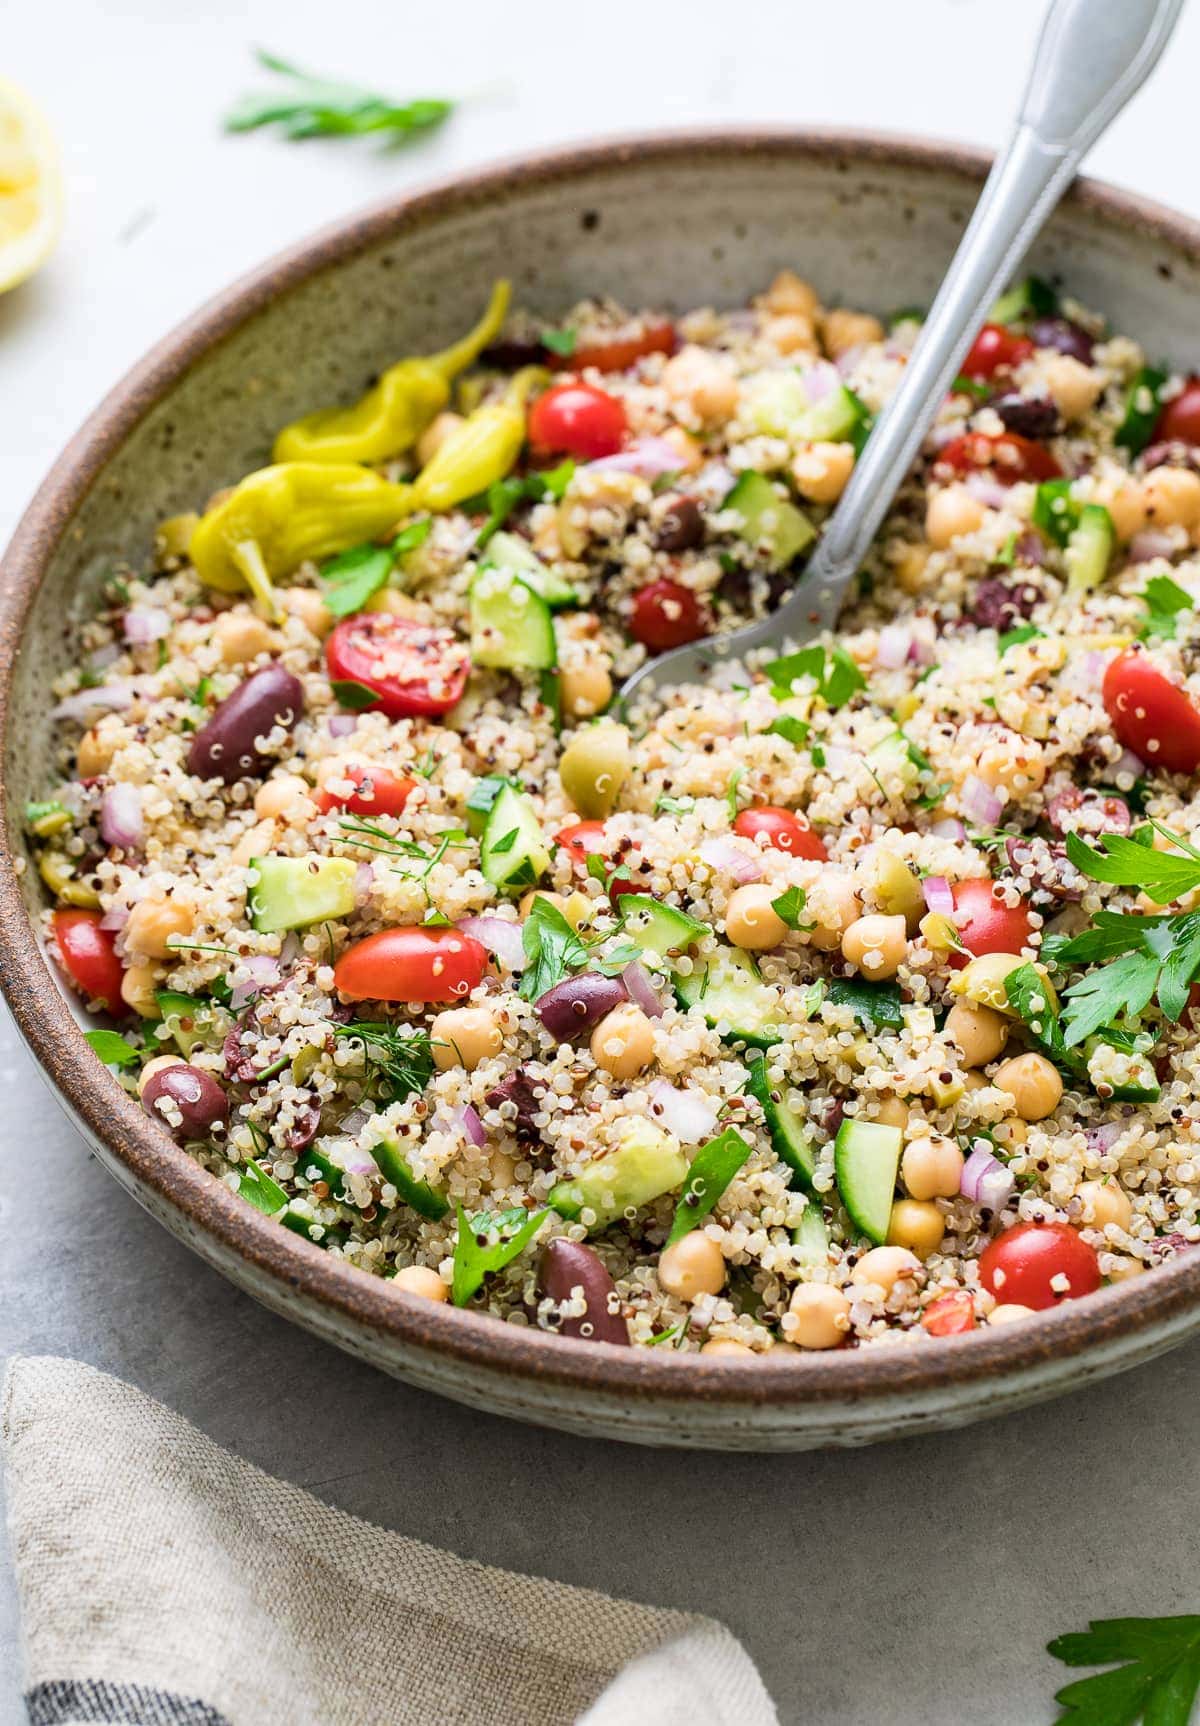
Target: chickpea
(951,513)
(157,1065)
(1013,1135)
(885,1266)
(254,843)
(932,1168)
(1127,507)
(982,980)
(1015,766)
(585,690)
(790,293)
(694,1266)
(1171,497)
(1105,1204)
(138,988)
(240,636)
(979,1032)
(1009,1313)
(153,922)
(918,1225)
(391,600)
(700,387)
(623,1042)
(892,1112)
(94,754)
(306,604)
(876,944)
(1121,1268)
(1074,387)
(463,1037)
(751,920)
(910,564)
(440,428)
(842,329)
(1032,1083)
(833,906)
(791,333)
(286,797)
(821,471)
(724,1345)
(821,1316)
(594,766)
(420,1280)
(691,456)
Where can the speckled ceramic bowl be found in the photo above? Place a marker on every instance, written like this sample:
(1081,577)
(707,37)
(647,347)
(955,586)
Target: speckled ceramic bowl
(663,221)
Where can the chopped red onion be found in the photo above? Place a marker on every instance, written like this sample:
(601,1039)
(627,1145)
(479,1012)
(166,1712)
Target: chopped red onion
(501,938)
(923,647)
(1152,542)
(996,1188)
(948,828)
(986,490)
(342,724)
(820,381)
(1103,1137)
(895,644)
(348,1156)
(977,1167)
(363,877)
(724,854)
(472,1125)
(641,989)
(939,895)
(263,970)
(103,657)
(354,1121)
(690,1115)
(648,456)
(143,624)
(121,819)
(115,917)
(1128,762)
(85,703)
(290,949)
(847,360)
(980,802)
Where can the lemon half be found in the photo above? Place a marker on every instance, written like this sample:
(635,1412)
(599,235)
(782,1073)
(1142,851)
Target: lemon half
(30,187)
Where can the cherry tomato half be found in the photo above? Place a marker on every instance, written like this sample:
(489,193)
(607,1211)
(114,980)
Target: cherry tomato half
(1179,421)
(576,419)
(783,831)
(995,349)
(667,615)
(1006,456)
(411,965)
(950,1314)
(583,840)
(1019,1266)
(88,954)
(619,353)
(376,792)
(411,668)
(985,923)
(1151,715)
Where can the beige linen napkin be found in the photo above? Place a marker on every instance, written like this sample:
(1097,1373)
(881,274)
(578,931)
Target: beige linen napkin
(165,1582)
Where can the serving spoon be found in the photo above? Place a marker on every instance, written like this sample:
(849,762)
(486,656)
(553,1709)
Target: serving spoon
(1091,57)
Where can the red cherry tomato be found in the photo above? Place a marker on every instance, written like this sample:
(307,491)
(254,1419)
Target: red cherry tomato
(783,830)
(411,965)
(995,349)
(88,954)
(1019,1266)
(376,792)
(1006,456)
(666,615)
(950,1314)
(411,668)
(1151,715)
(621,352)
(989,925)
(583,840)
(576,419)
(1179,421)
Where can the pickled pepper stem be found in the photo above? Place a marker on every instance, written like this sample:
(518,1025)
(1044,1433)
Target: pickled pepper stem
(463,353)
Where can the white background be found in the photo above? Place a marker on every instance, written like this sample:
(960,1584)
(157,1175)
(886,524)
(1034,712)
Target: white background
(918,1582)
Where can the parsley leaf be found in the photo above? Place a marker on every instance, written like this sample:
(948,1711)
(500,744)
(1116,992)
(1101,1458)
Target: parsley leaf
(731,791)
(1007,555)
(793,731)
(1139,957)
(561,342)
(488,1243)
(552,948)
(399,1058)
(260,1189)
(353,577)
(1155,1671)
(1030,999)
(664,805)
(835,674)
(712,1169)
(113,1050)
(789,905)
(314,108)
(1164,599)
(873,1004)
(1014,637)
(355,696)
(504,495)
(1126,862)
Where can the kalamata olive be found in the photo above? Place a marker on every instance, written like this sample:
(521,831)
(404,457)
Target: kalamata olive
(573,1006)
(682,527)
(569,1265)
(1082,811)
(1001,604)
(511,355)
(202,1104)
(517,1088)
(1064,337)
(226,747)
(1028,416)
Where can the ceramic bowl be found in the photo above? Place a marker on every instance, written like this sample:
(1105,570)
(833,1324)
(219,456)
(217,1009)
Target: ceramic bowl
(666,220)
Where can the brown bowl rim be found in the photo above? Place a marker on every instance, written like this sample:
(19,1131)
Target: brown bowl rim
(474,1339)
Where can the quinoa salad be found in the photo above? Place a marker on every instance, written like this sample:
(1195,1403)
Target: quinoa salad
(843,998)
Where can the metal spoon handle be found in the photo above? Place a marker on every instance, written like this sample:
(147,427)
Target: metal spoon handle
(1091,57)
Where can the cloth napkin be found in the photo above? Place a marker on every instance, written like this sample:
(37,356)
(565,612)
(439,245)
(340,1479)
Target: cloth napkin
(163,1581)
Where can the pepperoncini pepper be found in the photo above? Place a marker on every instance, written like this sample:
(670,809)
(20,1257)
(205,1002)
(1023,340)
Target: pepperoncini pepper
(481,451)
(276,518)
(391,417)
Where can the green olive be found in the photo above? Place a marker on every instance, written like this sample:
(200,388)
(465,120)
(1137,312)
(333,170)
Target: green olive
(594,767)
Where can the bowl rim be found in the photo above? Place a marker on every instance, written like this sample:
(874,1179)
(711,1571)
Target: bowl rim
(474,1340)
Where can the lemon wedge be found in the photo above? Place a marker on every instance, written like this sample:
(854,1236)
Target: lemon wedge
(30,187)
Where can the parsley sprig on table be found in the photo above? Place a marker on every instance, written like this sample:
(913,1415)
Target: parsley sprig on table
(317,108)
(1155,1672)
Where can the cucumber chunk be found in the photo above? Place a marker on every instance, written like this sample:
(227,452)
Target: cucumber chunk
(514,853)
(293,892)
(1032,298)
(646,1164)
(770,523)
(810,1237)
(779,405)
(1143,402)
(789,1136)
(656,928)
(734,999)
(508,552)
(190,1019)
(1128,1076)
(511,625)
(1055,511)
(1089,549)
(423,1198)
(866,1158)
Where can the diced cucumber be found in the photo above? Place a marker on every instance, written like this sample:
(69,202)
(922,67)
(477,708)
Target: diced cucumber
(293,892)
(480,799)
(1032,298)
(1143,402)
(810,1237)
(734,998)
(418,1194)
(511,625)
(190,1019)
(789,1136)
(646,1164)
(260,1189)
(1126,1075)
(1055,511)
(298,1217)
(1089,549)
(509,552)
(836,418)
(514,853)
(893,755)
(770,522)
(779,405)
(656,928)
(866,1158)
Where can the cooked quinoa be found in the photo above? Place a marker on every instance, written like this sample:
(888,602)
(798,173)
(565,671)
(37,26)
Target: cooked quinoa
(777,1004)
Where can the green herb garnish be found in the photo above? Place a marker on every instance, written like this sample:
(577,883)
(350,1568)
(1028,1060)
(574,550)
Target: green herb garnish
(1014,637)
(488,1243)
(553,949)
(113,1050)
(504,495)
(789,905)
(1155,1672)
(1131,862)
(399,1058)
(315,108)
(713,1167)
(561,342)
(356,696)
(1164,600)
(874,1004)
(835,674)
(793,731)
(731,791)
(354,577)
